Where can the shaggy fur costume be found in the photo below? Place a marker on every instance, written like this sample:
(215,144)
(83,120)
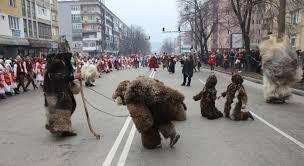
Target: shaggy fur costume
(89,73)
(281,69)
(236,90)
(152,106)
(208,97)
(58,91)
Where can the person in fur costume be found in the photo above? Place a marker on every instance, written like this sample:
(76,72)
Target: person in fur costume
(236,90)
(152,106)
(89,73)
(59,90)
(281,69)
(207,97)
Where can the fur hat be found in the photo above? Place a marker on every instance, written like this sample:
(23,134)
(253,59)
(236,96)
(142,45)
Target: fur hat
(211,81)
(237,79)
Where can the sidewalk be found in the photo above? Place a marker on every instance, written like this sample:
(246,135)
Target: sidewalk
(258,78)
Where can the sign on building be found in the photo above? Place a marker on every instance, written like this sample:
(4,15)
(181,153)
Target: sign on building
(236,40)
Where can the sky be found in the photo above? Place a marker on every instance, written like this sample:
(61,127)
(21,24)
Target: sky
(151,15)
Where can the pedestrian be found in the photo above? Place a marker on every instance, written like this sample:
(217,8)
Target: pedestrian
(172,65)
(9,72)
(39,72)
(153,64)
(199,65)
(19,72)
(188,70)
(28,67)
(212,61)
(226,59)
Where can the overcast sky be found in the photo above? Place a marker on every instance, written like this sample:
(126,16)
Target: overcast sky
(152,15)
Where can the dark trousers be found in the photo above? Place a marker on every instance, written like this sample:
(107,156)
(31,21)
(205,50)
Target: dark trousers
(185,79)
(212,67)
(20,79)
(30,79)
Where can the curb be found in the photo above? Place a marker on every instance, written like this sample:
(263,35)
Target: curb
(294,91)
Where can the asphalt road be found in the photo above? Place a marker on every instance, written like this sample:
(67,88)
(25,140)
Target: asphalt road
(275,138)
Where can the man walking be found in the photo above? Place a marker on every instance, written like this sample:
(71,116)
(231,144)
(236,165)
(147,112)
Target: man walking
(19,71)
(28,67)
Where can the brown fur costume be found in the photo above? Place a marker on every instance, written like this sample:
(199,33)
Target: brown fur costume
(152,106)
(208,97)
(59,91)
(236,89)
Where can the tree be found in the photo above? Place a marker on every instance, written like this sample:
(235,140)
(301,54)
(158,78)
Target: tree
(135,42)
(202,19)
(168,46)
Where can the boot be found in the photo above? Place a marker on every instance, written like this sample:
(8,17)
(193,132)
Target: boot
(16,91)
(173,139)
(68,134)
(2,96)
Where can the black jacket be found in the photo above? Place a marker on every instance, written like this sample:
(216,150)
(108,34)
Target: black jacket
(188,68)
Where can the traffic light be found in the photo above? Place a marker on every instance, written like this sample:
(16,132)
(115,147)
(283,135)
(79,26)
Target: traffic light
(179,29)
(163,29)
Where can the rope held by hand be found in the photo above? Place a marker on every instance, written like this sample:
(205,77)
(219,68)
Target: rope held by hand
(84,103)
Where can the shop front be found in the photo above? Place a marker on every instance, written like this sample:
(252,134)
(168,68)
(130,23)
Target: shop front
(11,47)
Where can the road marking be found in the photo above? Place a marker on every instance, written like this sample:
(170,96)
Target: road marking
(273,127)
(116,144)
(279,131)
(125,152)
(202,81)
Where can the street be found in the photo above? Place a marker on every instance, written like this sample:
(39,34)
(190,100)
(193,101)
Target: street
(24,140)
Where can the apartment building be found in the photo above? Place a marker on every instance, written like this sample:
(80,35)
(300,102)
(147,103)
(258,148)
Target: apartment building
(90,27)
(12,40)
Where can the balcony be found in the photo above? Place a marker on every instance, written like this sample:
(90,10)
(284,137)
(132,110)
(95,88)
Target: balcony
(90,22)
(89,48)
(90,30)
(87,12)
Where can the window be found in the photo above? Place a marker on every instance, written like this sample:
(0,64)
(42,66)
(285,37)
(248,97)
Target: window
(13,22)
(54,16)
(23,7)
(295,17)
(90,17)
(12,3)
(293,40)
(75,8)
(76,17)
(77,26)
(33,10)
(25,27)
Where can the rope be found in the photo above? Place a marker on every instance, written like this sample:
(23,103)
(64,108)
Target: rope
(98,109)
(101,94)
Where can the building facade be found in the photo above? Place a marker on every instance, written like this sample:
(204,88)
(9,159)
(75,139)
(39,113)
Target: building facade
(40,25)
(28,27)
(90,27)
(263,22)
(12,40)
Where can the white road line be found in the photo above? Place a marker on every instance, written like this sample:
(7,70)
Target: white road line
(116,144)
(201,81)
(279,131)
(273,127)
(125,152)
